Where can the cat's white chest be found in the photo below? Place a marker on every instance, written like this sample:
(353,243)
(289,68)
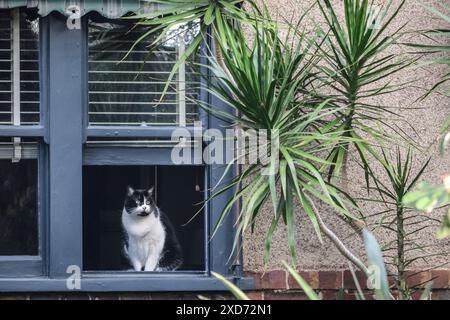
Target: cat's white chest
(146,236)
(141,226)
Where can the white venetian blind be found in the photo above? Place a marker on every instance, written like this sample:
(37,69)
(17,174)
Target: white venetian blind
(128,91)
(19,80)
(19,68)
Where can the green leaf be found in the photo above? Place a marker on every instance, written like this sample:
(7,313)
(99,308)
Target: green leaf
(290,225)
(312,216)
(376,263)
(238,293)
(427,197)
(272,228)
(209,15)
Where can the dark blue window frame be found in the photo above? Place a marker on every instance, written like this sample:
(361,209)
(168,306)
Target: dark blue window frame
(63,131)
(20,265)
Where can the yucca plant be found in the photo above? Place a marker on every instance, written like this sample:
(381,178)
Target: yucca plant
(402,221)
(359,67)
(270,85)
(261,85)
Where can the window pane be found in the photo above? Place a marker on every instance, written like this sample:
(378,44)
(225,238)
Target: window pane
(128,92)
(19,67)
(18,207)
(178,192)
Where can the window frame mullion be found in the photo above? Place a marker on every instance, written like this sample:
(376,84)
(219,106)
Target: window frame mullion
(65,101)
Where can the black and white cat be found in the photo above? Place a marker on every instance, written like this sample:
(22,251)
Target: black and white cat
(151,242)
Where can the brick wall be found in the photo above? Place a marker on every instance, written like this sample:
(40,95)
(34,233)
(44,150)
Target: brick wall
(339,284)
(273,285)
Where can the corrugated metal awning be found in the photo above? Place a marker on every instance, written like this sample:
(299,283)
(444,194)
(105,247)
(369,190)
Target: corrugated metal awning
(108,8)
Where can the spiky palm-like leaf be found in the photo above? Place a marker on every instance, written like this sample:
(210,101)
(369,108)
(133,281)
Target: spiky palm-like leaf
(198,16)
(399,219)
(261,86)
(358,67)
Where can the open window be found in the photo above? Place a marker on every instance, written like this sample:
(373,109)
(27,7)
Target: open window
(179,192)
(126,84)
(18,200)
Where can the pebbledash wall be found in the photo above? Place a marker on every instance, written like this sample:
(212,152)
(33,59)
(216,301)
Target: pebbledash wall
(321,264)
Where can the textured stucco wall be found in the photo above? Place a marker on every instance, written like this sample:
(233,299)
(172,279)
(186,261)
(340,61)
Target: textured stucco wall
(426,117)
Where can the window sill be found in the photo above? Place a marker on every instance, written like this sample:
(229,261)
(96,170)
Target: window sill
(103,283)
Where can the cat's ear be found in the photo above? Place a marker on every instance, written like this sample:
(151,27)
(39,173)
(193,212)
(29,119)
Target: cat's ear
(130,191)
(150,191)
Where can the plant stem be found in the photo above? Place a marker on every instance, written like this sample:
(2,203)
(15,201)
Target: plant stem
(400,281)
(335,239)
(351,102)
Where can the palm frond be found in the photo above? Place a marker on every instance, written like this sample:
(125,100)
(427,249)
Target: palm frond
(358,66)
(195,17)
(261,86)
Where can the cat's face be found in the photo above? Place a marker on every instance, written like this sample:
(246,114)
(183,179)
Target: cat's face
(139,202)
